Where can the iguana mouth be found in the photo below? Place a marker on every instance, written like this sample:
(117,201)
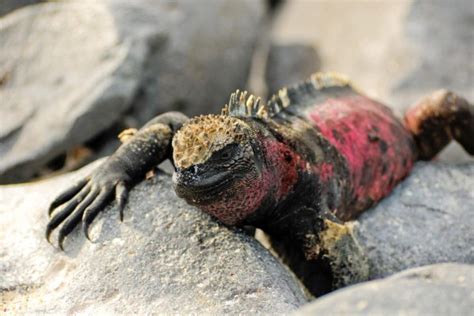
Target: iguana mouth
(199,188)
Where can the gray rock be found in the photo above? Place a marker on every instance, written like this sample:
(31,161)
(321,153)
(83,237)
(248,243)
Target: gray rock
(427,219)
(443,289)
(70,70)
(66,76)
(395,51)
(207,55)
(165,257)
(289,64)
(444,41)
(7,6)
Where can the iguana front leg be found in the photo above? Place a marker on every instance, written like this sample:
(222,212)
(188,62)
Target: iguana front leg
(142,151)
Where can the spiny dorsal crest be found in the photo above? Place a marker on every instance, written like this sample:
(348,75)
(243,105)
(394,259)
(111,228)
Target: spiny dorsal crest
(241,103)
(203,135)
(308,89)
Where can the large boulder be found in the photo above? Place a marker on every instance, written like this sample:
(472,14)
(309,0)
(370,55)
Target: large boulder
(165,257)
(206,57)
(66,76)
(427,219)
(443,289)
(69,70)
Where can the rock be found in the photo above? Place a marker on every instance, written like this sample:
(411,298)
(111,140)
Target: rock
(69,70)
(207,55)
(442,289)
(60,85)
(427,219)
(422,46)
(7,6)
(440,32)
(165,257)
(364,40)
(289,64)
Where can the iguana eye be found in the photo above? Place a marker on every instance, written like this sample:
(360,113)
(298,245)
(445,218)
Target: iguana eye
(228,152)
(226,155)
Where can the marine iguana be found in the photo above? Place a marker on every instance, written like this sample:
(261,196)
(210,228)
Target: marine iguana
(316,152)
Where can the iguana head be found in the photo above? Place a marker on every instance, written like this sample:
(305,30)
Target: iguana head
(218,167)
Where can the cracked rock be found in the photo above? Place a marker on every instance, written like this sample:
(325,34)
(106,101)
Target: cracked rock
(166,257)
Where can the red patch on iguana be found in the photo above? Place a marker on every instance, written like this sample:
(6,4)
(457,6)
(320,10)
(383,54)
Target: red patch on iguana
(231,208)
(378,150)
(284,163)
(326,171)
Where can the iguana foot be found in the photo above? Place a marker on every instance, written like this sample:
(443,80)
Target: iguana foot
(140,152)
(437,119)
(84,201)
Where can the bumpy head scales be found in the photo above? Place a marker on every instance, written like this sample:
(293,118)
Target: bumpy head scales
(199,138)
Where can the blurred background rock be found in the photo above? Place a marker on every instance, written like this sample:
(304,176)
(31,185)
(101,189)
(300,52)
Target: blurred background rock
(74,73)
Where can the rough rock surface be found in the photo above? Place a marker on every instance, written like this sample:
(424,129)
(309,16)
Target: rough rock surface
(69,70)
(443,289)
(165,257)
(428,219)
(289,64)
